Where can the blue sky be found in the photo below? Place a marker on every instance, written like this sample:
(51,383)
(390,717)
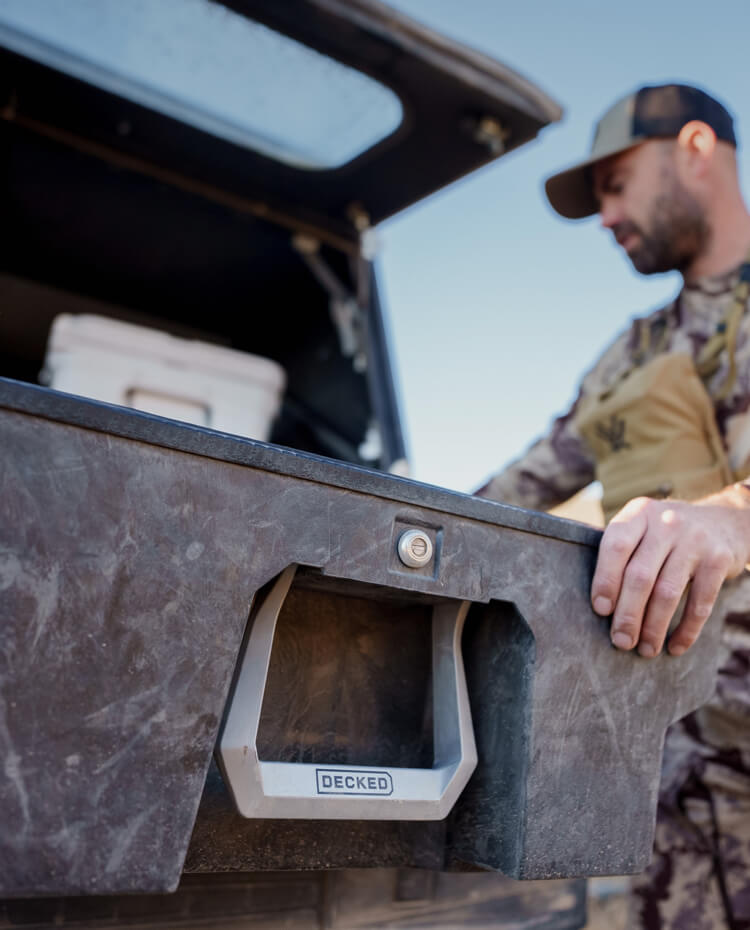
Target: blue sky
(496,305)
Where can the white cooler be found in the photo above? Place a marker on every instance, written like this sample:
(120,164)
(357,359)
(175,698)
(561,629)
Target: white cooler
(147,369)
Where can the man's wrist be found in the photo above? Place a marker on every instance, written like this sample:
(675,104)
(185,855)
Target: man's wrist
(738,496)
(732,511)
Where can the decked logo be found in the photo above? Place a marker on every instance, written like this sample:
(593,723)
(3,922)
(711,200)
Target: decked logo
(344,781)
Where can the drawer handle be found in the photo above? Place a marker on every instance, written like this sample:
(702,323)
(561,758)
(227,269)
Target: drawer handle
(349,792)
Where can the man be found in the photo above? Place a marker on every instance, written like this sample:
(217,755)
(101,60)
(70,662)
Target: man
(663,420)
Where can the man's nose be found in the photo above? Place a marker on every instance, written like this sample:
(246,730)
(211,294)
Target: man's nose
(610,212)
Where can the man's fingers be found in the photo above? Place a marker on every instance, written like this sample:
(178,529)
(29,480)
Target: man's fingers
(703,593)
(673,578)
(619,542)
(639,583)
(647,557)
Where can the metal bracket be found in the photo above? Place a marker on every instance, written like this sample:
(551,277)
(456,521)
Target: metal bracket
(349,792)
(346,313)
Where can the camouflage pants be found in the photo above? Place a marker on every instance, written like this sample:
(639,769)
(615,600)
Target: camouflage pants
(699,877)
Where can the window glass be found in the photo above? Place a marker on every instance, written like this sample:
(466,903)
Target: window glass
(208,66)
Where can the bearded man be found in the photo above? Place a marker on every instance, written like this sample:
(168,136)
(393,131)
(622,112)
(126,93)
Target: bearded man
(663,421)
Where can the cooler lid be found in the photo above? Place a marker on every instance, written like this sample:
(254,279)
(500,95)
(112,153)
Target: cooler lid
(326,114)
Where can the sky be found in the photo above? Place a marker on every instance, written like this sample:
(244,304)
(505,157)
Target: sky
(496,305)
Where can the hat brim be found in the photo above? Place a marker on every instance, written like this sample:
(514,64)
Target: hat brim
(570,192)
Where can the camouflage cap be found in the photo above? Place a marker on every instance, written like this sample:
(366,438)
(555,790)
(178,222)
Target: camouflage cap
(649,113)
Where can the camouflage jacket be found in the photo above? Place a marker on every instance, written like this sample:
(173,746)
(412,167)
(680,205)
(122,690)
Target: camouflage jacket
(559,464)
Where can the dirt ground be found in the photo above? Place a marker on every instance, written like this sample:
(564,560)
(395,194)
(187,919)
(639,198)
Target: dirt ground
(607,904)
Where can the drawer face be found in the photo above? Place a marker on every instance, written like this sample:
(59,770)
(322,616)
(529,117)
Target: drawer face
(131,551)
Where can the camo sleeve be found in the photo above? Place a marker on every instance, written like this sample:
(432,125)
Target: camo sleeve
(559,464)
(548,473)
(733,412)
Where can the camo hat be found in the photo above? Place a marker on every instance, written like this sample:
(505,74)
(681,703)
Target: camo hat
(649,113)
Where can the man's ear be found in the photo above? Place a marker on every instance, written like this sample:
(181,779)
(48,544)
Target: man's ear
(696,144)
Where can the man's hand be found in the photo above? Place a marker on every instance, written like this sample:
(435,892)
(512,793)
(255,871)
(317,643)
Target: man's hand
(649,554)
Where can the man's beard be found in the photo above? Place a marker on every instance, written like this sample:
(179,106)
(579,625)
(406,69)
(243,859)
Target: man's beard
(678,232)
